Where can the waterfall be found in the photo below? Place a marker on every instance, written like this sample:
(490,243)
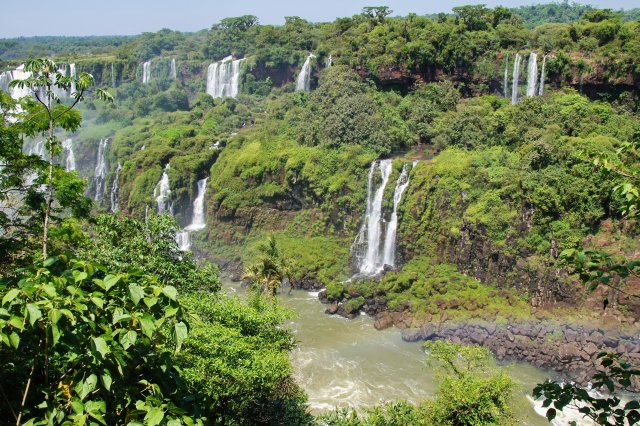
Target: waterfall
(18,74)
(197,219)
(223,78)
(329,62)
(505,89)
(58,92)
(73,75)
(174,73)
(516,78)
(541,86)
(532,74)
(183,237)
(70,161)
(146,72)
(163,192)
(113,76)
(389,252)
(146,213)
(304,78)
(115,206)
(101,170)
(372,261)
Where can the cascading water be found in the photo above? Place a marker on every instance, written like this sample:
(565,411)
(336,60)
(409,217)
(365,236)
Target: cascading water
(541,85)
(174,73)
(101,170)
(115,205)
(146,72)
(516,79)
(505,88)
(70,158)
(370,235)
(113,76)
(183,237)
(389,253)
(73,75)
(329,62)
(304,78)
(532,74)
(162,192)
(223,78)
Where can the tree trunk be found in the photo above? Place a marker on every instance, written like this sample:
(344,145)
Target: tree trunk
(47,212)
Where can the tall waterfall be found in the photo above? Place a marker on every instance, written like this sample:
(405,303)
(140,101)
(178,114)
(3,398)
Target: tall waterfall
(115,205)
(516,78)
(183,237)
(15,92)
(101,170)
(223,78)
(304,78)
(113,76)
(174,73)
(73,75)
(505,87)
(146,72)
(389,253)
(329,62)
(198,219)
(532,74)
(541,85)
(370,236)
(162,192)
(70,158)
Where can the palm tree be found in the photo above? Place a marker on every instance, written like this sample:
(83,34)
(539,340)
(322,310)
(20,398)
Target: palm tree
(270,270)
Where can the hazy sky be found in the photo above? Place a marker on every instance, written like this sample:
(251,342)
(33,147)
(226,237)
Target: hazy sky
(90,17)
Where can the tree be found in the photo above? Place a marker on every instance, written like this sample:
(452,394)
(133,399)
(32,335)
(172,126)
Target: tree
(44,79)
(470,393)
(377,13)
(82,344)
(270,270)
(475,17)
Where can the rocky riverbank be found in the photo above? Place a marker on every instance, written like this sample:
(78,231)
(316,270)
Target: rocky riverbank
(569,349)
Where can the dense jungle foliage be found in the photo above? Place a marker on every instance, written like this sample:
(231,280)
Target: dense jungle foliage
(116,325)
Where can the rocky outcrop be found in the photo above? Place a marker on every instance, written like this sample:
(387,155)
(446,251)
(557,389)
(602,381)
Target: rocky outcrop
(569,349)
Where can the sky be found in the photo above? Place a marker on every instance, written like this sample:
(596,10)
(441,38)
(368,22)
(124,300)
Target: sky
(125,17)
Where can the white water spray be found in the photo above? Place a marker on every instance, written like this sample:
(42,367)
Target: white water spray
(541,85)
(115,205)
(174,72)
(223,78)
(304,78)
(70,158)
(532,74)
(505,84)
(100,170)
(389,253)
(146,72)
(516,79)
(162,192)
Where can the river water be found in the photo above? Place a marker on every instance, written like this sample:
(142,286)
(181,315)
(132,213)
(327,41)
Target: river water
(341,362)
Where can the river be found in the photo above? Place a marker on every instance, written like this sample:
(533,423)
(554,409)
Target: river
(341,362)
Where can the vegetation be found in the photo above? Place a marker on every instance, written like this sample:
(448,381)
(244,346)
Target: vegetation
(110,323)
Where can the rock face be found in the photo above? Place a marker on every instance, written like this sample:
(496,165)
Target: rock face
(571,350)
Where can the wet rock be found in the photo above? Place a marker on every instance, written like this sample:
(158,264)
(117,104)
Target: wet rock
(332,309)
(411,334)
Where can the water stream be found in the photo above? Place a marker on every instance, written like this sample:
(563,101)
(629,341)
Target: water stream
(303,82)
(342,362)
(223,78)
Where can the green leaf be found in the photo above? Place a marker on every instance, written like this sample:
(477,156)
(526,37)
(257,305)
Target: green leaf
(88,386)
(128,339)
(150,301)
(106,379)
(136,292)
(100,346)
(54,315)
(16,322)
(148,325)
(181,333)
(34,313)
(79,276)
(98,302)
(11,294)
(110,280)
(14,339)
(55,333)
(154,416)
(631,405)
(170,292)
(49,289)
(551,414)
